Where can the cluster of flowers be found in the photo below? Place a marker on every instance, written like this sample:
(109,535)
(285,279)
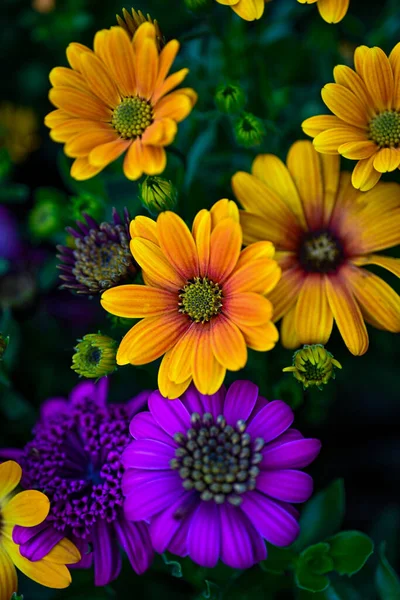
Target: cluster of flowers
(204,471)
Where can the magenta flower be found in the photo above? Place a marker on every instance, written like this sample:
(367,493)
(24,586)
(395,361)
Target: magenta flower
(215,475)
(75,457)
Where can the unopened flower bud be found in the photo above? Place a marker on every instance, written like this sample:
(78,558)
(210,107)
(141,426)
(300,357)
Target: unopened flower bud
(249,130)
(95,356)
(230,98)
(158,194)
(313,365)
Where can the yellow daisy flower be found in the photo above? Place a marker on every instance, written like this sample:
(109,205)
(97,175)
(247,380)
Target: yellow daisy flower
(332,11)
(365,125)
(18,131)
(118,99)
(28,508)
(203,300)
(249,10)
(324,230)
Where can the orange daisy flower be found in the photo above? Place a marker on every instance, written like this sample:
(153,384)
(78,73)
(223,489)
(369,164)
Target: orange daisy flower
(365,125)
(324,231)
(203,299)
(28,508)
(116,99)
(249,10)
(332,11)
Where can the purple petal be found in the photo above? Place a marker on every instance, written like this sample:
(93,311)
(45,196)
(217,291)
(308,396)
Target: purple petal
(21,535)
(290,435)
(271,421)
(270,519)
(179,543)
(86,554)
(293,455)
(260,403)
(289,508)
(106,554)
(135,540)
(85,389)
(164,526)
(149,493)
(148,454)
(53,407)
(101,392)
(144,426)
(214,404)
(11,454)
(289,486)
(193,402)
(40,543)
(171,415)
(237,549)
(204,538)
(138,402)
(239,401)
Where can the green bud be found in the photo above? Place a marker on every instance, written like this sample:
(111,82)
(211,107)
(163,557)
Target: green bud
(16,596)
(45,218)
(158,194)
(95,356)
(230,98)
(3,345)
(197,4)
(88,204)
(313,365)
(249,130)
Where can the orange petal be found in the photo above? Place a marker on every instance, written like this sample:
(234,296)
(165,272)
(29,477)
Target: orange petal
(151,338)
(255,251)
(177,244)
(81,144)
(358,150)
(8,576)
(28,508)
(289,338)
(305,168)
(315,125)
(359,59)
(166,59)
(153,159)
(81,169)
(117,52)
(201,231)
(61,76)
(258,229)
(286,292)
(275,174)
(346,312)
(160,133)
(99,81)
(248,308)
(103,155)
(386,160)
(378,76)
(168,388)
(377,298)
(144,32)
(208,373)
(137,301)
(225,246)
(257,275)
(55,118)
(260,337)
(155,264)
(223,209)
(365,176)
(329,141)
(384,233)
(133,161)
(344,104)
(74,53)
(10,476)
(168,85)
(79,104)
(313,317)
(174,106)
(180,363)
(394,59)
(144,227)
(146,65)
(228,344)
(333,11)
(71,127)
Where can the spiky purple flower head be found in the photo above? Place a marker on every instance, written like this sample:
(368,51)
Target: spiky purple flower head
(101,258)
(216,475)
(75,458)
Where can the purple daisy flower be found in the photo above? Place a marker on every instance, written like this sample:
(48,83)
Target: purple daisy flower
(216,475)
(75,457)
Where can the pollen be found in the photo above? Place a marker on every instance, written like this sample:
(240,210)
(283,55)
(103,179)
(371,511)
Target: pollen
(201,299)
(132,117)
(384,129)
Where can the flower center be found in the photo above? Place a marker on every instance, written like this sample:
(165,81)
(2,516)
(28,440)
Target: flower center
(384,129)
(132,117)
(320,252)
(217,460)
(200,299)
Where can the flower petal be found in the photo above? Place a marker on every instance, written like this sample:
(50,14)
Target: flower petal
(227,343)
(289,337)
(79,104)
(284,295)
(271,421)
(358,150)
(165,524)
(248,308)
(208,373)
(28,508)
(260,275)
(172,416)
(103,155)
(153,261)
(315,125)
(135,541)
(313,317)
(98,79)
(10,476)
(81,169)
(137,301)
(204,538)
(144,426)
(106,555)
(386,160)
(386,262)
(240,400)
(8,576)
(365,176)
(239,548)
(147,494)
(148,454)
(117,53)
(272,521)
(330,140)
(177,244)
(225,246)
(378,76)
(81,144)
(295,454)
(260,337)
(167,387)
(345,105)
(201,231)
(333,11)
(286,485)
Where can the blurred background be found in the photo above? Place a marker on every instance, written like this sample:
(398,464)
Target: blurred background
(281,62)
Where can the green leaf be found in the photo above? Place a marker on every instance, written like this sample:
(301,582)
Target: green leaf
(386,580)
(350,550)
(322,516)
(278,559)
(311,567)
(337,590)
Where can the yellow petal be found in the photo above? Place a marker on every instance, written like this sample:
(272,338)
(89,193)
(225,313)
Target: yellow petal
(386,262)
(208,373)
(228,344)
(313,317)
(260,337)
(81,169)
(345,105)
(386,160)
(167,388)
(138,301)
(10,476)
(315,125)
(177,244)
(289,337)
(64,553)
(333,11)
(99,81)
(28,508)
(365,176)
(378,76)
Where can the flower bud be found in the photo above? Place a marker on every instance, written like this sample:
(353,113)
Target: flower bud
(87,204)
(95,356)
(313,365)
(132,22)
(249,130)
(46,217)
(158,194)
(229,99)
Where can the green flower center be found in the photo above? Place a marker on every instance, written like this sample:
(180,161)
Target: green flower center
(384,129)
(94,356)
(320,252)
(201,299)
(217,460)
(132,117)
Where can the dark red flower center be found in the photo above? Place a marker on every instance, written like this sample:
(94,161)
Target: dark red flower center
(320,252)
